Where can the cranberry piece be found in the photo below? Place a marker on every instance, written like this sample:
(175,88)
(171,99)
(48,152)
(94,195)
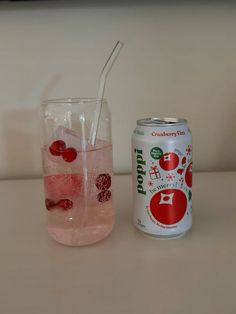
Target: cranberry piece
(69,154)
(57,147)
(104,196)
(103,182)
(65,204)
(184,160)
(49,203)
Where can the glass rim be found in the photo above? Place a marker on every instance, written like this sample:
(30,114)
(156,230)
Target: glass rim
(72,101)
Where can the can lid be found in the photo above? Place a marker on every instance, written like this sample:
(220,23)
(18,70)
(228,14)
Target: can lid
(161,121)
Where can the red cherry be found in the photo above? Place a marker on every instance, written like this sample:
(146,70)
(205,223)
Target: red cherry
(69,154)
(57,147)
(183,160)
(180,171)
(104,196)
(65,204)
(103,181)
(49,203)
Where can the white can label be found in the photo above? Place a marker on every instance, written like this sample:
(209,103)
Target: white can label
(162,181)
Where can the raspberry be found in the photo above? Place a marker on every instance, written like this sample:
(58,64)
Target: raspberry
(65,204)
(49,203)
(69,154)
(104,196)
(103,182)
(57,147)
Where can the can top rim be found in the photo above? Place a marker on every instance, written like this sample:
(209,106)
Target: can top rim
(161,121)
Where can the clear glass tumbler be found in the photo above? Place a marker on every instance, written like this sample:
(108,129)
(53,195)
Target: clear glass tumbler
(77,175)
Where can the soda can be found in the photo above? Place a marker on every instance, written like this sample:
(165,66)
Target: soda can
(162,177)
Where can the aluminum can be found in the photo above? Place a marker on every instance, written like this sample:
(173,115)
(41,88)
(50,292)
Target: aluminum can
(162,177)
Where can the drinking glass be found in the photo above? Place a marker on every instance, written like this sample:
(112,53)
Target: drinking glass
(77,175)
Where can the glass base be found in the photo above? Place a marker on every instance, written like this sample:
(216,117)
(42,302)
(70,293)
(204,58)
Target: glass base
(80,237)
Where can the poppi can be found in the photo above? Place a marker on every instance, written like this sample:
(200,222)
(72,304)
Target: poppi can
(162,177)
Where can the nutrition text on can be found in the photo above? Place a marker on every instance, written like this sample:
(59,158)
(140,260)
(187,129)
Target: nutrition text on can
(162,177)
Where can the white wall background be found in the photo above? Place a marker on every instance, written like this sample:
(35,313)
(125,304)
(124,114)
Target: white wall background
(178,60)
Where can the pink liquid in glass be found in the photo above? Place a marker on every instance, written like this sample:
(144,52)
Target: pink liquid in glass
(78,195)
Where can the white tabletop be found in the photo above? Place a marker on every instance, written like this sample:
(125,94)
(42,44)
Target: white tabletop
(127,272)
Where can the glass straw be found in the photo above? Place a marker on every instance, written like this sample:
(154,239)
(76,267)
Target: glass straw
(102,82)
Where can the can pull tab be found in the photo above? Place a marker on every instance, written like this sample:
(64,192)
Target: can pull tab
(161,121)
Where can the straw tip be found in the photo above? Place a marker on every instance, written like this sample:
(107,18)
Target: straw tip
(121,43)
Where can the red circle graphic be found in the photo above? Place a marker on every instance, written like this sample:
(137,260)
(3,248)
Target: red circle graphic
(168,206)
(169,161)
(189,175)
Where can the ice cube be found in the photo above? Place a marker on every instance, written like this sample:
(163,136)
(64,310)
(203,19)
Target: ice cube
(70,137)
(59,186)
